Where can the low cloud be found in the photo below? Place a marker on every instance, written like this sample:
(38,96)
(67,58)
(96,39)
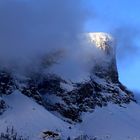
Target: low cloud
(32,29)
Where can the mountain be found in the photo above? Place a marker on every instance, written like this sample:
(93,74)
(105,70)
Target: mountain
(46,106)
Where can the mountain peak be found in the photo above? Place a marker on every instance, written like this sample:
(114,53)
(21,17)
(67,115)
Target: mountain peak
(103,41)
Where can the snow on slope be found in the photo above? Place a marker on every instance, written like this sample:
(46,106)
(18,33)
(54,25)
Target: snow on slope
(113,122)
(30,119)
(107,123)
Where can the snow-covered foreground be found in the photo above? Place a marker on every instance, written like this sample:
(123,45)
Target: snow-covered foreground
(30,119)
(107,123)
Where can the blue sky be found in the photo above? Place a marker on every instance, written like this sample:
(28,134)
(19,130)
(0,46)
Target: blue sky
(111,14)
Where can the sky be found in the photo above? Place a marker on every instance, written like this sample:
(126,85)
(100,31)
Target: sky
(121,17)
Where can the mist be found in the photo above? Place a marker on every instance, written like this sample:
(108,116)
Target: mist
(127,42)
(33,29)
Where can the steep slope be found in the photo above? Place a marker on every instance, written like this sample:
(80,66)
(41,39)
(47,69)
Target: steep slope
(113,122)
(30,119)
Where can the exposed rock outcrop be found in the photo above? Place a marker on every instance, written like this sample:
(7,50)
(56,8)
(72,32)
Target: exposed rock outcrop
(106,66)
(3,106)
(6,82)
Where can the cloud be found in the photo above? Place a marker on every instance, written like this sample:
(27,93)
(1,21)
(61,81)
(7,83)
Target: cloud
(30,29)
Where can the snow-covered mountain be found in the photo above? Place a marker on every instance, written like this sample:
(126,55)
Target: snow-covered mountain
(46,106)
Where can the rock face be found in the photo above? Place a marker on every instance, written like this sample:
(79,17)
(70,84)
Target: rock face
(3,106)
(69,99)
(6,82)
